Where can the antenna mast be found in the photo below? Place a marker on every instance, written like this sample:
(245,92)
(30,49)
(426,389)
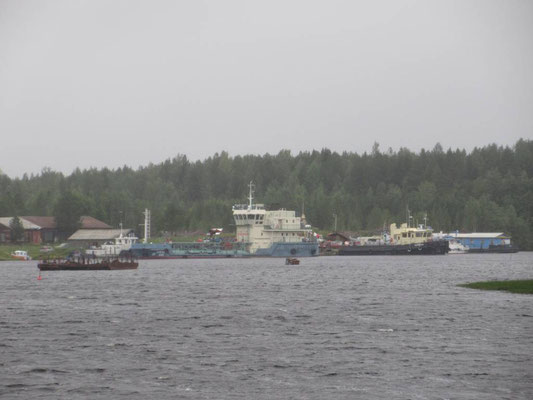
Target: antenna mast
(251,195)
(146,225)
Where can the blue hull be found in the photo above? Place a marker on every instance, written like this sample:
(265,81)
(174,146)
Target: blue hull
(282,249)
(149,251)
(215,250)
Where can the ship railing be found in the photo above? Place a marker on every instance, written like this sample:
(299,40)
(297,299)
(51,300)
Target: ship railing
(247,207)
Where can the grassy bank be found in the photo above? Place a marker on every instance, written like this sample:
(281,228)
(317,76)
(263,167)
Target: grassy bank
(519,286)
(34,251)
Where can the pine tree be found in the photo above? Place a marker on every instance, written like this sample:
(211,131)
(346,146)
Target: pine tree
(17,230)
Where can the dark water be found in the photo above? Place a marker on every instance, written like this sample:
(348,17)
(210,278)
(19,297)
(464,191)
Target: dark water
(330,328)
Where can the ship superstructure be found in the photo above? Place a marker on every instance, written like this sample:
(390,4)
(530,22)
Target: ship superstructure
(409,234)
(272,233)
(407,239)
(113,248)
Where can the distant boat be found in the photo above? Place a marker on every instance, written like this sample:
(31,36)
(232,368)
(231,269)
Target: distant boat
(404,240)
(292,261)
(273,233)
(259,233)
(456,247)
(113,248)
(20,255)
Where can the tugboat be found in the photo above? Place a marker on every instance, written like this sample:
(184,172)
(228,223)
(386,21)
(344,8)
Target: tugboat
(403,240)
(113,248)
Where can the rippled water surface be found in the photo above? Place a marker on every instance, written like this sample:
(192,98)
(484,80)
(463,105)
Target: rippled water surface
(330,328)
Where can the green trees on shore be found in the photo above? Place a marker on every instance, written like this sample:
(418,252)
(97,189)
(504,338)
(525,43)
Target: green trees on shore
(487,189)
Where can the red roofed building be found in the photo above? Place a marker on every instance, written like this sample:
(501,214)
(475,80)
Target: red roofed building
(93,223)
(48,231)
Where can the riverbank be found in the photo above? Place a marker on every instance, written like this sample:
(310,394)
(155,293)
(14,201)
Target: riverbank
(34,251)
(519,286)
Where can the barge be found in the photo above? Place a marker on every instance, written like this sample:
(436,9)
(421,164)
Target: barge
(87,264)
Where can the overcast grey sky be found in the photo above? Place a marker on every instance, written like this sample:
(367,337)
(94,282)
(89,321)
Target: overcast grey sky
(108,83)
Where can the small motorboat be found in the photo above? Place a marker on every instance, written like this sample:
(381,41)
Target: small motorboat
(20,255)
(456,247)
(292,261)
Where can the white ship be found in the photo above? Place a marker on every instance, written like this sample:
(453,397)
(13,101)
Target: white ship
(456,247)
(113,248)
(278,233)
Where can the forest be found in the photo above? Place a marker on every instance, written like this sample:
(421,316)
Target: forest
(489,189)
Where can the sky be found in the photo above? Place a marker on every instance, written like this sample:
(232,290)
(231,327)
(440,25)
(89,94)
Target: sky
(107,83)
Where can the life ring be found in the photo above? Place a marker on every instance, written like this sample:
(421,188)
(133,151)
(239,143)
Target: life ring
(293,251)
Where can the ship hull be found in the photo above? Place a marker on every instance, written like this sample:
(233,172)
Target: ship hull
(187,256)
(208,250)
(429,248)
(284,249)
(495,249)
(170,251)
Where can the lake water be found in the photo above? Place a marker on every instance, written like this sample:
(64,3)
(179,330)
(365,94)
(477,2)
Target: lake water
(330,328)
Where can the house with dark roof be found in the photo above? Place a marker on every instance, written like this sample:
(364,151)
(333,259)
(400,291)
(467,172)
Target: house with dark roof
(48,227)
(43,229)
(93,223)
(31,230)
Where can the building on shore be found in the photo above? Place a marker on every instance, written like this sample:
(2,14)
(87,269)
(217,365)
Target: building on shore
(43,229)
(481,242)
(97,237)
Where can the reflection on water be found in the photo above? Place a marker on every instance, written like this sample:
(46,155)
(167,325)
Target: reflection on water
(330,328)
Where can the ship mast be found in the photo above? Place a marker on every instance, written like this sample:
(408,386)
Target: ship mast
(408,217)
(251,195)
(146,225)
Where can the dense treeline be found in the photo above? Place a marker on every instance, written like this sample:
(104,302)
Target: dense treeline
(488,189)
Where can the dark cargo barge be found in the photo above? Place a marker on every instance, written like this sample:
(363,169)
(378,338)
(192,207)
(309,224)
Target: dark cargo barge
(439,247)
(84,264)
(495,249)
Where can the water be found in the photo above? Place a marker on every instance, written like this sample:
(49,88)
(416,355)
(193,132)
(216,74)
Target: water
(330,328)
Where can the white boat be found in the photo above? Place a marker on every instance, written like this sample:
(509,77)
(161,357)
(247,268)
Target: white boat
(113,248)
(20,255)
(456,247)
(277,233)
